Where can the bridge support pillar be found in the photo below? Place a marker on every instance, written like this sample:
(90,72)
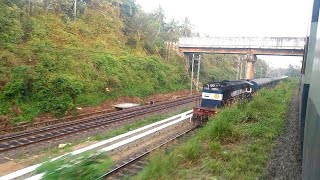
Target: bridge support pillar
(187,61)
(251,59)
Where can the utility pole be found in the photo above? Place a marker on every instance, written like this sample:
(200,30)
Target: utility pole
(238,69)
(75,10)
(241,62)
(192,64)
(30,7)
(267,70)
(261,72)
(198,74)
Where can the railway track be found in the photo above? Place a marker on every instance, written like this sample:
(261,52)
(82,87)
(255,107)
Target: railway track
(4,129)
(24,138)
(135,164)
(25,126)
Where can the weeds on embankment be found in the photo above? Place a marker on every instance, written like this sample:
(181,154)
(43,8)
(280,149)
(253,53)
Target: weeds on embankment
(50,63)
(232,145)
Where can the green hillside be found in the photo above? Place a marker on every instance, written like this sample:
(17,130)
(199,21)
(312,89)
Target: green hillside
(53,63)
(54,59)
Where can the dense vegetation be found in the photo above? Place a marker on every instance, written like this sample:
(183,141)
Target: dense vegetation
(261,69)
(219,67)
(54,58)
(53,61)
(228,67)
(234,144)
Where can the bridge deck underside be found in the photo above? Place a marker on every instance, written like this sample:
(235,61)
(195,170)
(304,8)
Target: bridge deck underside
(255,51)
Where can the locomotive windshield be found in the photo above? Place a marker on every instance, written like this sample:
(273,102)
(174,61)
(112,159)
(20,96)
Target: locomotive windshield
(212,86)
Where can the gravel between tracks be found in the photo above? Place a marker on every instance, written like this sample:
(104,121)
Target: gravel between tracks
(286,157)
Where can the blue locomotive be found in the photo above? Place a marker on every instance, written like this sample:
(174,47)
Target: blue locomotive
(218,94)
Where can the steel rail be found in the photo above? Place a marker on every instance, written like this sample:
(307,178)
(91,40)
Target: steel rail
(82,121)
(38,135)
(24,128)
(132,160)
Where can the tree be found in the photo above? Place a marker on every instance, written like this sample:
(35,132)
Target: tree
(137,25)
(158,20)
(260,68)
(172,29)
(186,28)
(10,24)
(293,71)
(158,15)
(128,8)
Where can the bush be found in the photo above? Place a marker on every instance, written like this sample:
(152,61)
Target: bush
(217,130)
(190,151)
(21,85)
(11,29)
(76,167)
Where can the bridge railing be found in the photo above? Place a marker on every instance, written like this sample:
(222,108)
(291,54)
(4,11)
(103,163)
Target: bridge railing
(244,42)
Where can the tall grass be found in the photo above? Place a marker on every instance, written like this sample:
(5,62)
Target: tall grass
(88,166)
(233,145)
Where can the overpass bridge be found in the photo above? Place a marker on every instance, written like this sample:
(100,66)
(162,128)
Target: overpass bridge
(250,46)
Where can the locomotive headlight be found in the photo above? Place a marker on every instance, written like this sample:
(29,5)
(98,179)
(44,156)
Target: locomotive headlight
(212,96)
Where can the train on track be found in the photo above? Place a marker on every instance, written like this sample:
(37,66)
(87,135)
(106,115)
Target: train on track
(218,94)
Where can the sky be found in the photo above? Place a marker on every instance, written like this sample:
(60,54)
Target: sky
(235,18)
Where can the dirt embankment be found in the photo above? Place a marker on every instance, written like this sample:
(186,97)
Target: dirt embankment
(108,105)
